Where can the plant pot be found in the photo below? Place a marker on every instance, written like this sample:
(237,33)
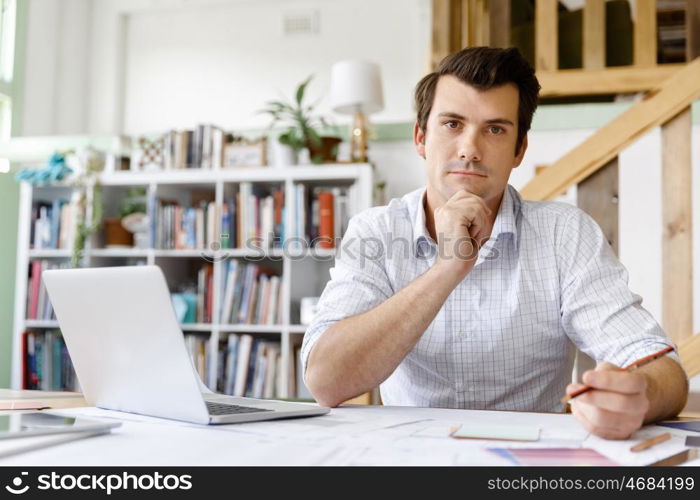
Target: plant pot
(283,155)
(326,151)
(116,235)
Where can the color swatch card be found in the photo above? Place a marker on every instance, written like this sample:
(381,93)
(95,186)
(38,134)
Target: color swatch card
(496,432)
(554,456)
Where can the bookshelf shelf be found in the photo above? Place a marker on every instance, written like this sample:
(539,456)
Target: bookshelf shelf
(298,271)
(49,254)
(118,252)
(246,328)
(39,323)
(196,327)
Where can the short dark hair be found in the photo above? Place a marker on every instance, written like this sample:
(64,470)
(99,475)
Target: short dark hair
(484,68)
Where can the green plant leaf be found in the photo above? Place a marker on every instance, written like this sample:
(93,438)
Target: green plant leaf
(301,89)
(313,136)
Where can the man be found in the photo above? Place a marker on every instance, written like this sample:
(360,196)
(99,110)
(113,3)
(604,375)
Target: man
(463,295)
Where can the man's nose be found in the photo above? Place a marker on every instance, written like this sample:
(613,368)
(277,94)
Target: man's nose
(469,147)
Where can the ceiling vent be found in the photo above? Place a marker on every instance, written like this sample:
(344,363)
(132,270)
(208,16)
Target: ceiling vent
(301,23)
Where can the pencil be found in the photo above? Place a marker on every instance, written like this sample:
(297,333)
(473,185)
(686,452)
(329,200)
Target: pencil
(628,368)
(651,442)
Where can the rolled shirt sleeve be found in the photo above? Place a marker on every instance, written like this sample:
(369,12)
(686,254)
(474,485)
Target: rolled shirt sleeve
(358,281)
(600,314)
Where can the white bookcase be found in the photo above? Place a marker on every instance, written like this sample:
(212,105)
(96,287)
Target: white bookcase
(303,273)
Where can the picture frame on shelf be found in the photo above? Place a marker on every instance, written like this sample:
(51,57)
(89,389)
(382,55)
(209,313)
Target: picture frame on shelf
(148,155)
(242,152)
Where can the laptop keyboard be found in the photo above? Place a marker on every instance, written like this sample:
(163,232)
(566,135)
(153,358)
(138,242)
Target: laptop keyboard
(225,409)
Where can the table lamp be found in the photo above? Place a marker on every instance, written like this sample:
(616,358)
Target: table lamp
(356,89)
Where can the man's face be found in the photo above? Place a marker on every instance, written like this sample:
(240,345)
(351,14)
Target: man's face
(470,139)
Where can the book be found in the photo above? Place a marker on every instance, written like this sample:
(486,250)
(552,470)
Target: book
(231,358)
(252,362)
(260,369)
(269,388)
(230,280)
(326,216)
(242,361)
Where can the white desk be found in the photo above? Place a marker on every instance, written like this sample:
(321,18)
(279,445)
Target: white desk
(347,436)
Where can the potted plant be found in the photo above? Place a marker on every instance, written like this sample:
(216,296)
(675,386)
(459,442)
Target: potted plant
(301,127)
(124,230)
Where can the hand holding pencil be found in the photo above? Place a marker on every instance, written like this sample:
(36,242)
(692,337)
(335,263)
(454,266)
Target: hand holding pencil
(618,405)
(628,368)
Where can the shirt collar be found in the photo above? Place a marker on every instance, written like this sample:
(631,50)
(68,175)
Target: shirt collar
(504,223)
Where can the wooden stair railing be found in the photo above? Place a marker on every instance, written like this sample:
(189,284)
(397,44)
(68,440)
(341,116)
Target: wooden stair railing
(592,166)
(689,351)
(464,23)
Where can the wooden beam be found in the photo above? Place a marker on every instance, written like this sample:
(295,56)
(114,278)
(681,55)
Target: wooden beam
(689,352)
(455,26)
(546,35)
(692,29)
(441,31)
(659,106)
(466,20)
(645,33)
(598,195)
(482,22)
(616,80)
(594,34)
(499,23)
(677,238)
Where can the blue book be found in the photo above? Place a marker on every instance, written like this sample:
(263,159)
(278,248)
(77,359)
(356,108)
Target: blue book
(247,291)
(251,367)
(55,217)
(225,228)
(56,363)
(231,358)
(152,218)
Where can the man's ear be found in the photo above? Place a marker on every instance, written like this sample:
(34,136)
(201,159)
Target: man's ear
(521,154)
(419,140)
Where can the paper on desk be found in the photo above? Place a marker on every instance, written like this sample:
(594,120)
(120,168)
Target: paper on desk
(619,450)
(321,427)
(500,432)
(12,447)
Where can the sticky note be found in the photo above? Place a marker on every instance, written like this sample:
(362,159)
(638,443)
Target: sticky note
(501,432)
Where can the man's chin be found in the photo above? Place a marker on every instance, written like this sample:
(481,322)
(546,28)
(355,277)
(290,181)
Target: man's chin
(451,189)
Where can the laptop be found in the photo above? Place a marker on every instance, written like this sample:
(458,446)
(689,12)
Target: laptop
(129,352)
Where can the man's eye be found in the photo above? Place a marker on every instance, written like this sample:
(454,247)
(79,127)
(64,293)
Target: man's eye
(452,124)
(495,129)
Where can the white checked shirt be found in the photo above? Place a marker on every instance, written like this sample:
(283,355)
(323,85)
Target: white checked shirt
(545,282)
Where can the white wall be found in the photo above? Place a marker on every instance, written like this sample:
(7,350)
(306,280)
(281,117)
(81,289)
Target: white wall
(139,66)
(56,70)
(239,54)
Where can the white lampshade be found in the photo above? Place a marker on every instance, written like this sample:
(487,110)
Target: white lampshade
(356,86)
